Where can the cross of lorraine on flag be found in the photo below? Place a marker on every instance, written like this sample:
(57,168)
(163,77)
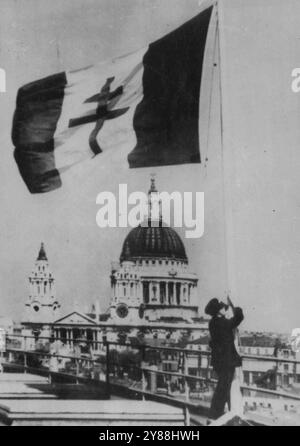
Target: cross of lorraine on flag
(145,105)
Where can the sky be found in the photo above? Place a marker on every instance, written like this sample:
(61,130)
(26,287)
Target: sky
(260,48)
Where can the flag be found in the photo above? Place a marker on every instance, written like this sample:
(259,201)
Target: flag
(145,104)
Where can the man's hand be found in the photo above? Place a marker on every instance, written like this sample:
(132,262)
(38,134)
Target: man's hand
(230,302)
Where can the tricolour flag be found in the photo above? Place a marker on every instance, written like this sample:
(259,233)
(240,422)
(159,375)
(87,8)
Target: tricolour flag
(145,104)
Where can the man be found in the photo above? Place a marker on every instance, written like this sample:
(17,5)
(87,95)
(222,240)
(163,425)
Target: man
(224,357)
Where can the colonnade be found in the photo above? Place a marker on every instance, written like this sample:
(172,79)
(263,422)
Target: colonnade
(69,335)
(167,292)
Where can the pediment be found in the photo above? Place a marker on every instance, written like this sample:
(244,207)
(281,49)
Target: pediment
(75,318)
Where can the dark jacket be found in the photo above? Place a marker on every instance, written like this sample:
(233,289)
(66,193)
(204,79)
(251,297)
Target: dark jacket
(224,354)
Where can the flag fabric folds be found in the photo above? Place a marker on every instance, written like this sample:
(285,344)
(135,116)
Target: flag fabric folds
(38,109)
(144,105)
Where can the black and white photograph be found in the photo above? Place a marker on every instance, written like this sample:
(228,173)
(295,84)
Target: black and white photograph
(150,247)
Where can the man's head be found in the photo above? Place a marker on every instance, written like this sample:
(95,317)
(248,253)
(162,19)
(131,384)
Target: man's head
(216,307)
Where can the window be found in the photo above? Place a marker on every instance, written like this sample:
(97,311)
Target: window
(162,292)
(154,290)
(170,292)
(146,292)
(246,378)
(178,288)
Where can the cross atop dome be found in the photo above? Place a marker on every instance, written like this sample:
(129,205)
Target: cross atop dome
(42,253)
(152,186)
(154,204)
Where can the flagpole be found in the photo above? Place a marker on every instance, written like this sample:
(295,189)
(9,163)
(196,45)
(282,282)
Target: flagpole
(227,157)
(228,178)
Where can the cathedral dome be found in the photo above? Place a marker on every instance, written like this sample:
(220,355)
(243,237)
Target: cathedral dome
(159,241)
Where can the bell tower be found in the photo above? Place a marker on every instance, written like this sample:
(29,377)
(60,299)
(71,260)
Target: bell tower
(42,305)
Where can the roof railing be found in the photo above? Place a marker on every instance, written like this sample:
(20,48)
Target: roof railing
(101,356)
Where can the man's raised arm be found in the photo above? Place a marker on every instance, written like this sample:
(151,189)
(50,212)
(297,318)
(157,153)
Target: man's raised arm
(238,315)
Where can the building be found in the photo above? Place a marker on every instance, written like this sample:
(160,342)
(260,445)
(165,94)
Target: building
(153,301)
(42,306)
(258,349)
(152,282)
(259,370)
(154,295)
